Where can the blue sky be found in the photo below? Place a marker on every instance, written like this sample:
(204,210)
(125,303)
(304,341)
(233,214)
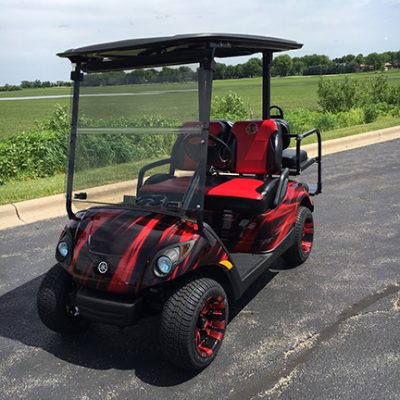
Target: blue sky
(33,31)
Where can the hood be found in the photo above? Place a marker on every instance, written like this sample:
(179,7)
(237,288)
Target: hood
(127,241)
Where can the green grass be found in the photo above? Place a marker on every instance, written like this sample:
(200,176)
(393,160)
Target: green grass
(289,93)
(30,189)
(14,191)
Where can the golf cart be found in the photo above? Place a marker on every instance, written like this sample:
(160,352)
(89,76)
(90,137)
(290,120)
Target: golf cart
(203,207)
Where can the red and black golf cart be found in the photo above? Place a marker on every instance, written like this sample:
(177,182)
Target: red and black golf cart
(202,208)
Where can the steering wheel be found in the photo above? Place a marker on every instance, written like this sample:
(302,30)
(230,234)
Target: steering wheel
(152,200)
(280,115)
(219,154)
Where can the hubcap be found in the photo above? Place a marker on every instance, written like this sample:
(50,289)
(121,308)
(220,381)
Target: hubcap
(307,236)
(210,326)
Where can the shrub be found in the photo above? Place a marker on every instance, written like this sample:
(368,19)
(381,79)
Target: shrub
(31,155)
(336,96)
(302,120)
(379,90)
(43,151)
(354,116)
(230,107)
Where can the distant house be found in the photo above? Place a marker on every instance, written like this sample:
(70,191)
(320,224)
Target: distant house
(366,67)
(387,66)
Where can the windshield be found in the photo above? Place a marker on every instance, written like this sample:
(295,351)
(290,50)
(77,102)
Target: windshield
(139,142)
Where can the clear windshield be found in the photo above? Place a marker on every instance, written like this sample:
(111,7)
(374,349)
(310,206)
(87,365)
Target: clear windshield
(139,140)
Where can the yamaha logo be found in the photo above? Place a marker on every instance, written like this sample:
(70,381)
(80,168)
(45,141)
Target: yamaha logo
(102,267)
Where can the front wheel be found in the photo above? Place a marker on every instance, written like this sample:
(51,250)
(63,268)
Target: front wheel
(53,303)
(193,323)
(303,238)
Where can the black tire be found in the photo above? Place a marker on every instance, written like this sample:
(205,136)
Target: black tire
(53,302)
(184,338)
(303,238)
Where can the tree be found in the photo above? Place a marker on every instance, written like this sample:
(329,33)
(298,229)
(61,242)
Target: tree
(252,68)
(220,70)
(282,65)
(359,59)
(297,66)
(316,59)
(375,60)
(349,58)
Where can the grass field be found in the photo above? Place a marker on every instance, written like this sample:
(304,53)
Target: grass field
(176,101)
(14,191)
(289,93)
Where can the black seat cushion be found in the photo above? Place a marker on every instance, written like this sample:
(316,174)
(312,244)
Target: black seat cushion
(289,158)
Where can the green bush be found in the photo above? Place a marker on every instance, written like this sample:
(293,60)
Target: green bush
(32,155)
(336,96)
(302,120)
(43,151)
(370,113)
(343,95)
(379,90)
(230,107)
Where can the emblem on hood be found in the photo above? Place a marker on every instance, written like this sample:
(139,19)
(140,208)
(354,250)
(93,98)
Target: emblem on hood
(102,267)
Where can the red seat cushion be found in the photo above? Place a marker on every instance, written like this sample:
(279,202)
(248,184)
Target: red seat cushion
(237,187)
(245,195)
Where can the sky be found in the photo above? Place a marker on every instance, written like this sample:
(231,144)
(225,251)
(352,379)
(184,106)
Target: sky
(33,31)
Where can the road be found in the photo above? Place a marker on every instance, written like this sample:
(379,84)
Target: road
(66,96)
(326,330)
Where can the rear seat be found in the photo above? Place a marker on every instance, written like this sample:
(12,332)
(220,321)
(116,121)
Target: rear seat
(289,157)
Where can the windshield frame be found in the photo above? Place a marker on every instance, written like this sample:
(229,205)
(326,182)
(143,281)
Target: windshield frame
(197,182)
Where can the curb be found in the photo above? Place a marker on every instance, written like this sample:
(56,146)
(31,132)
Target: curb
(355,141)
(29,211)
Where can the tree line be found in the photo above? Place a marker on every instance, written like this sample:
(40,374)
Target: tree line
(316,64)
(282,65)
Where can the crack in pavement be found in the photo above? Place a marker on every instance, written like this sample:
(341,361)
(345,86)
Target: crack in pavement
(17,212)
(281,379)
(301,344)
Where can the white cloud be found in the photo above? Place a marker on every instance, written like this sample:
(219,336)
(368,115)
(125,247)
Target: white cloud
(32,32)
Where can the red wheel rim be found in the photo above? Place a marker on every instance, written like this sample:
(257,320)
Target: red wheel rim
(210,326)
(307,236)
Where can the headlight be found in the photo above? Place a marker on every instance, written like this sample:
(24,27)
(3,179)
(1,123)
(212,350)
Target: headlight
(63,249)
(163,266)
(170,257)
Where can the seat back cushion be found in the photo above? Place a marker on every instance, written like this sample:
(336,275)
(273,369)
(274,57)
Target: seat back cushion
(284,127)
(257,142)
(179,159)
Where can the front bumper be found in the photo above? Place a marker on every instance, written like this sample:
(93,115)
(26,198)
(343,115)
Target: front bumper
(108,308)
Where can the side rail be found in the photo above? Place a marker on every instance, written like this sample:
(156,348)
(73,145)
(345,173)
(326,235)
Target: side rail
(301,166)
(147,167)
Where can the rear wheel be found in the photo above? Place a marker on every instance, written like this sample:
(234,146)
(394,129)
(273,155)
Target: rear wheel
(193,323)
(53,302)
(303,238)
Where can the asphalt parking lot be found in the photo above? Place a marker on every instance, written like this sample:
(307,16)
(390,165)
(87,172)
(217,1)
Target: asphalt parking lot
(326,330)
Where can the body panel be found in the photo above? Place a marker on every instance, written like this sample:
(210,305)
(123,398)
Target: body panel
(128,241)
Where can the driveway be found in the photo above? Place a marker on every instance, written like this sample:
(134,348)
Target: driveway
(328,329)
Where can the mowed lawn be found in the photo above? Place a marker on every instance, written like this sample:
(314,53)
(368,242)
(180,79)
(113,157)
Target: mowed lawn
(173,100)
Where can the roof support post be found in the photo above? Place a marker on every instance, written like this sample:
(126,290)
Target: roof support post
(76,77)
(266,84)
(206,70)
(205,79)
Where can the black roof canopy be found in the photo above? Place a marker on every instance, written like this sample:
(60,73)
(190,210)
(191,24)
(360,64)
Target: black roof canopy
(172,50)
